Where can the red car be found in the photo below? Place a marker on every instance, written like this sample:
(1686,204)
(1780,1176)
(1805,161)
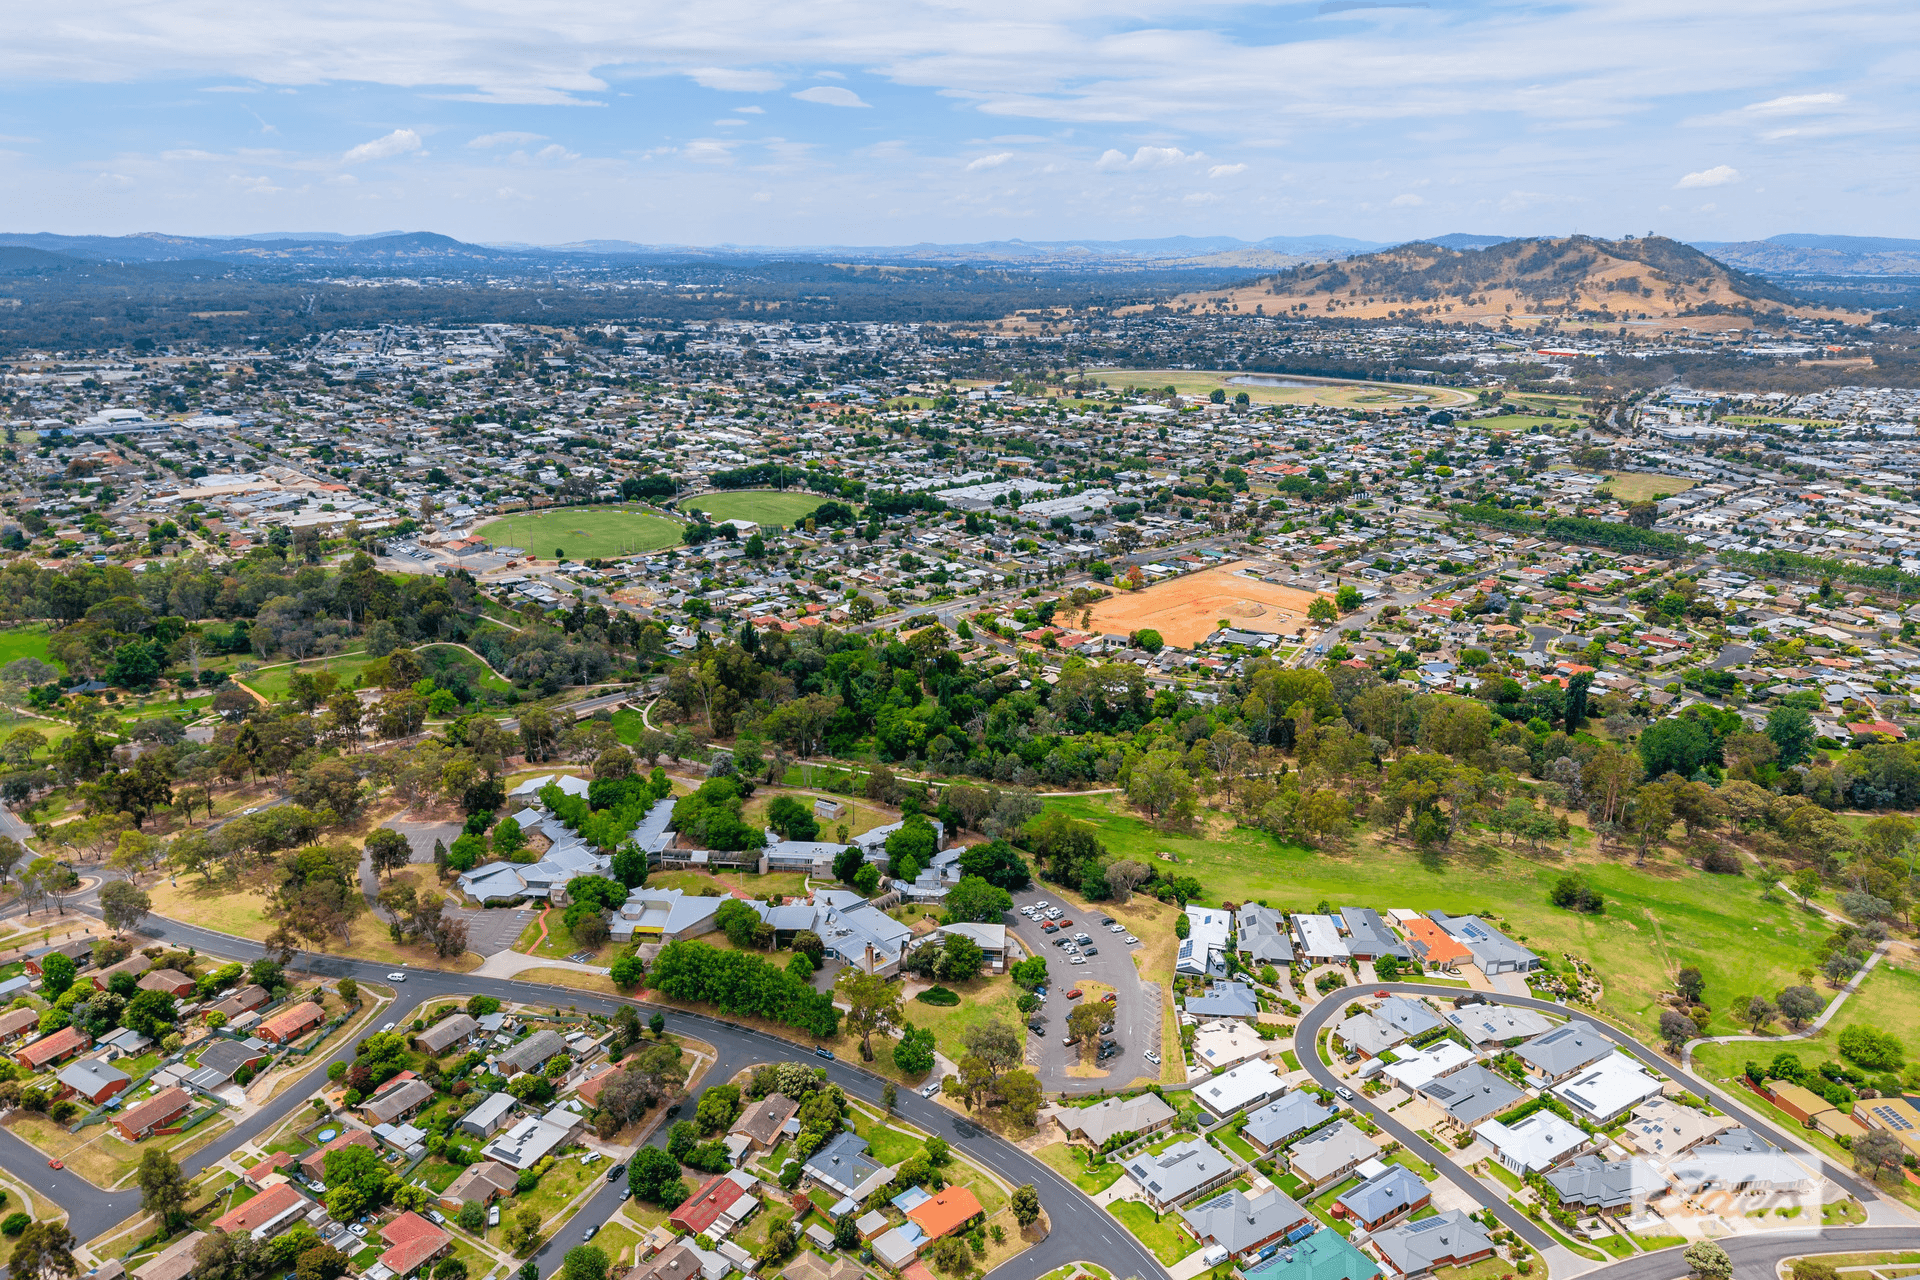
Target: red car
(1049,928)
(1064,924)
(1383,994)
(1109,998)
(1075,994)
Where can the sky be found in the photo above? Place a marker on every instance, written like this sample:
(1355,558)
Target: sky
(873,122)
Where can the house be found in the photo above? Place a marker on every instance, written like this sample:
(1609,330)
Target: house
(763,1123)
(871,1224)
(412,1243)
(445,1034)
(51,1049)
(245,1000)
(1244,1225)
(1247,1085)
(843,1165)
(990,938)
(1896,1116)
(1272,1126)
(1368,937)
(258,1175)
(1411,1018)
(1178,1174)
(663,915)
(1434,946)
(895,1249)
(291,1023)
(489,1115)
(1414,1067)
(1739,1160)
(947,1211)
(1383,1197)
(1608,1089)
(172,981)
(1367,1035)
(18,1022)
(1558,1054)
(177,1261)
(1319,940)
(274,1210)
(1613,1187)
(523,1146)
(481,1183)
(1108,1118)
(530,1054)
(313,1165)
(156,1113)
(721,1204)
(1330,1154)
(92,1079)
(1450,1239)
(1203,950)
(1262,934)
(1493,951)
(397,1099)
(1227,1043)
(133,966)
(1469,1096)
(1533,1145)
(1225,1000)
(80,951)
(1496,1024)
(1660,1129)
(1322,1255)
(221,1060)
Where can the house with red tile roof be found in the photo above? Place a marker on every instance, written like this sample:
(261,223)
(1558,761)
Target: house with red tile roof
(274,1210)
(290,1023)
(49,1049)
(314,1163)
(162,1109)
(722,1198)
(414,1242)
(946,1211)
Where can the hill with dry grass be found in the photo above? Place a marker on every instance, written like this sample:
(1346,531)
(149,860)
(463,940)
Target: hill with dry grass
(1650,285)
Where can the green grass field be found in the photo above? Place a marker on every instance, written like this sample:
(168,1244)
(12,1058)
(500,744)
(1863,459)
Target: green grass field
(1658,919)
(1633,486)
(762,506)
(25,642)
(1365,395)
(582,533)
(273,682)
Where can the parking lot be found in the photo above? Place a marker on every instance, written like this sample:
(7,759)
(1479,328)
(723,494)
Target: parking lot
(1136,1017)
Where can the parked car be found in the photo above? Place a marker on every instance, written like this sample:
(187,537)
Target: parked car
(493,1215)
(1110,998)
(1346,1094)
(357,1229)
(396,976)
(824,1053)
(929,1090)
(1132,941)
(1075,994)
(591,1232)
(1153,1057)
(1090,951)
(615,1172)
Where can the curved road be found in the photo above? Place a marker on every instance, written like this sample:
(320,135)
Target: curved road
(1080,1229)
(1645,1267)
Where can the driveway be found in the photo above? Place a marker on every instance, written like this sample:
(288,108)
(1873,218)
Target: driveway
(1136,1024)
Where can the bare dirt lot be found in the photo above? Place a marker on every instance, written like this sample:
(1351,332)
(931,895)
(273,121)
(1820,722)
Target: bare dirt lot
(1187,609)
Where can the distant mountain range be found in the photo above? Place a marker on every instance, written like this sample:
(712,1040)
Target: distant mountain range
(1811,255)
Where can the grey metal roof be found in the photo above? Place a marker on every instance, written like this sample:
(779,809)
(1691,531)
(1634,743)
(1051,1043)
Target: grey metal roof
(1564,1049)
(1285,1116)
(1239,1222)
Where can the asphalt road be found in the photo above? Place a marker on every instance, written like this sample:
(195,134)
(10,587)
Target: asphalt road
(1080,1230)
(1306,1036)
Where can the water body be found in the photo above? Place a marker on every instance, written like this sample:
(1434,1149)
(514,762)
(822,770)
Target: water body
(1268,380)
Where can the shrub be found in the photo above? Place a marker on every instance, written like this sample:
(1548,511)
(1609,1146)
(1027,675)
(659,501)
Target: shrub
(14,1224)
(939,996)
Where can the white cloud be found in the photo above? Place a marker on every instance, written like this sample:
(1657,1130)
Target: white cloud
(230,88)
(1718,176)
(397,143)
(831,96)
(829,75)
(750,111)
(1797,104)
(1407,200)
(1226,170)
(509,139)
(989,162)
(555,152)
(1112,161)
(729,124)
(762,197)
(735,79)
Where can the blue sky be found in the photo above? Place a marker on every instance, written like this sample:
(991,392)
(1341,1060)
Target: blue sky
(870,122)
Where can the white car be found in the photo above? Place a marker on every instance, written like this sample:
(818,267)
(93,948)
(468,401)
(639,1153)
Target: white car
(390,1026)
(1153,1057)
(358,1230)
(1076,959)
(396,976)
(1116,928)
(930,1090)
(1040,905)
(1132,941)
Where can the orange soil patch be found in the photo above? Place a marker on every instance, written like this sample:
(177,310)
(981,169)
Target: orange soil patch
(1186,610)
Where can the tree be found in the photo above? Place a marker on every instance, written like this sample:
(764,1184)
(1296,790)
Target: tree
(163,1188)
(1759,1012)
(738,921)
(1026,1205)
(975,901)
(1679,744)
(388,851)
(57,973)
(913,1052)
(1791,730)
(654,1175)
(867,880)
(1084,1023)
(1691,985)
(847,864)
(873,1005)
(996,1044)
(584,1262)
(123,905)
(1676,1029)
(324,1262)
(1708,1261)
(44,1252)
(1799,1005)
(524,1229)
(1877,1153)
(1126,875)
